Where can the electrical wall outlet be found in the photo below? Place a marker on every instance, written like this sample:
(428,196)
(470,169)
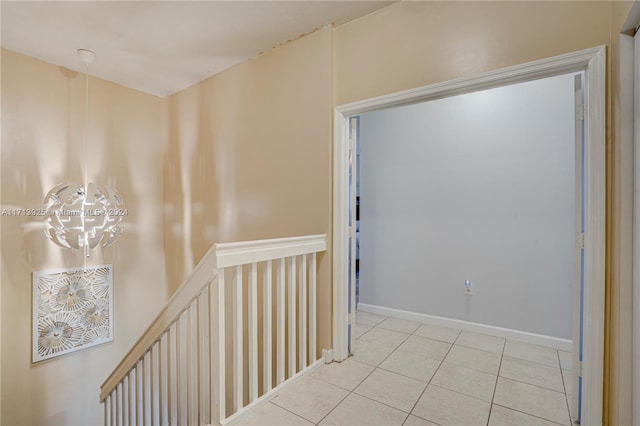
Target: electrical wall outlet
(468,289)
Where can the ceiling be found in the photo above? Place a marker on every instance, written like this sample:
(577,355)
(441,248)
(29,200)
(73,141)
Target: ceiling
(162,47)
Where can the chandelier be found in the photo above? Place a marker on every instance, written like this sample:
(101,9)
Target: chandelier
(81,216)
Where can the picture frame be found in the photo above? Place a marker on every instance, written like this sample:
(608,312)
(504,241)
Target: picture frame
(72,310)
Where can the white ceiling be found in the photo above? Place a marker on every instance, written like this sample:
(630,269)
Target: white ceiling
(161,47)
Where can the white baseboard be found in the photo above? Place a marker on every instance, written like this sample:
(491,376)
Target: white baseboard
(521,336)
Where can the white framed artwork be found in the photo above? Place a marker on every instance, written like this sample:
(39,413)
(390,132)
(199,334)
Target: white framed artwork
(72,310)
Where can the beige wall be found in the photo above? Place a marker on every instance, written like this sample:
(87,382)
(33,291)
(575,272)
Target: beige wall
(42,132)
(411,44)
(248,155)
(250,158)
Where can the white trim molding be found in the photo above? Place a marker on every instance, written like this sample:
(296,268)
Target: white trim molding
(474,327)
(627,153)
(594,236)
(341,237)
(593,62)
(240,253)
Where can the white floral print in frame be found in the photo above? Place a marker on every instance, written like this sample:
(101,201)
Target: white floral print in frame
(72,310)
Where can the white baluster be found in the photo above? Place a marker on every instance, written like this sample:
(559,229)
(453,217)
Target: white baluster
(152,388)
(302,312)
(217,354)
(280,308)
(161,404)
(192,352)
(106,404)
(126,400)
(184,368)
(252,306)
(292,315)
(266,324)
(188,377)
(138,395)
(118,405)
(312,308)
(130,398)
(133,376)
(123,402)
(179,357)
(171,379)
(194,371)
(238,380)
(204,334)
(144,389)
(112,400)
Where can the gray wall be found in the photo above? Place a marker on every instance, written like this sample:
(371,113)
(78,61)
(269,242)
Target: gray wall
(479,187)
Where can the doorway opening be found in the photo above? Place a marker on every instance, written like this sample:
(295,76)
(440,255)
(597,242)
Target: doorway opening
(588,336)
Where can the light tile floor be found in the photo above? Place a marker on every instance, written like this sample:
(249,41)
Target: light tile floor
(405,372)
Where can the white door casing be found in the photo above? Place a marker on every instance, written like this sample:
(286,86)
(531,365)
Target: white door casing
(593,63)
(578,280)
(353,185)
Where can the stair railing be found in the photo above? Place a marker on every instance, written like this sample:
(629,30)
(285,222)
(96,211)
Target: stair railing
(217,349)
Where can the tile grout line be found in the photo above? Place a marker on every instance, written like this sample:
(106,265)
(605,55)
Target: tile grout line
(429,382)
(531,384)
(512,356)
(460,393)
(289,411)
(409,377)
(418,417)
(349,392)
(385,329)
(381,403)
(433,375)
(495,387)
(325,382)
(502,356)
(564,386)
(331,411)
(385,404)
(436,339)
(529,414)
(397,348)
(533,362)
(378,367)
(518,381)
(367,376)
(491,403)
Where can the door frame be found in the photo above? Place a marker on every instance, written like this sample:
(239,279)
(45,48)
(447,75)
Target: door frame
(629,144)
(593,62)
